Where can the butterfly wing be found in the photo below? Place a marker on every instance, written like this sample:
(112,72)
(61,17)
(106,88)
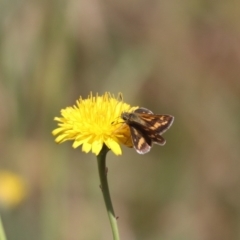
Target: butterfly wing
(143,111)
(155,123)
(157,138)
(160,123)
(142,143)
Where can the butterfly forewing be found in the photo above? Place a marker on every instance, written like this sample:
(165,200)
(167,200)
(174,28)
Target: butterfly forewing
(157,123)
(142,144)
(143,111)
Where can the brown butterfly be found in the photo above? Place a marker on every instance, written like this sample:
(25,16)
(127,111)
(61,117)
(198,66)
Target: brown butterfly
(146,128)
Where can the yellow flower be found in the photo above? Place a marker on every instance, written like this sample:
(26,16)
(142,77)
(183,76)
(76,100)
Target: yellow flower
(93,122)
(12,189)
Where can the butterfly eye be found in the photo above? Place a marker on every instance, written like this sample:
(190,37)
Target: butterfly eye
(124,117)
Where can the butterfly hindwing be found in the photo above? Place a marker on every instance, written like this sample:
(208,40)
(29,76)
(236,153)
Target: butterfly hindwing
(157,139)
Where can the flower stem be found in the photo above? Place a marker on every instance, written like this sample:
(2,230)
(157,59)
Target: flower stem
(2,234)
(105,190)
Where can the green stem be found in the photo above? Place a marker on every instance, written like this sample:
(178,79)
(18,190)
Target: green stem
(2,234)
(105,190)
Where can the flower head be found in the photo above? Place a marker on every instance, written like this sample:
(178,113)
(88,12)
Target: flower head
(12,189)
(93,122)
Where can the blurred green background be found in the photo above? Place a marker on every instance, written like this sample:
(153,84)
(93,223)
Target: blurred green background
(174,57)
